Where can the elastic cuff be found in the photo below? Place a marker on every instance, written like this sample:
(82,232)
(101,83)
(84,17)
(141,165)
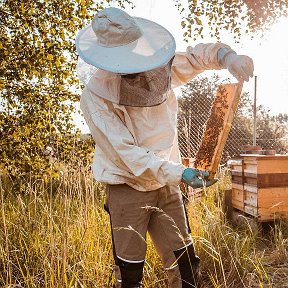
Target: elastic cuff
(131,265)
(178,172)
(185,246)
(130,261)
(171,267)
(222,54)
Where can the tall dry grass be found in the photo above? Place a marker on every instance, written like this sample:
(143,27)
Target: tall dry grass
(57,234)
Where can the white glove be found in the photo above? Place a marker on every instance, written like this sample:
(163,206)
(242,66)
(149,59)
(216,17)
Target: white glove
(240,66)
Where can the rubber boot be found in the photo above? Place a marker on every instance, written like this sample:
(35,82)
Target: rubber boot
(131,274)
(188,264)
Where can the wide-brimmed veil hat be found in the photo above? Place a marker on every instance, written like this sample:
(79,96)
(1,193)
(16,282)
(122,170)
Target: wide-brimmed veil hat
(119,43)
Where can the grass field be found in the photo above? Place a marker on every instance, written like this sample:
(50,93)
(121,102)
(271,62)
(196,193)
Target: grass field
(58,235)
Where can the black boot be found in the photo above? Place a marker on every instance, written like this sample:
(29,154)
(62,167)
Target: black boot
(188,264)
(131,273)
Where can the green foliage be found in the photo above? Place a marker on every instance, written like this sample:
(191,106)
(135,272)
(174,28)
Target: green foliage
(194,107)
(272,131)
(38,85)
(238,17)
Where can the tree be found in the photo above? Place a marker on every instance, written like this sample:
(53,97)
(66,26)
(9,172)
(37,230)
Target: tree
(229,15)
(37,81)
(241,130)
(272,131)
(38,85)
(194,107)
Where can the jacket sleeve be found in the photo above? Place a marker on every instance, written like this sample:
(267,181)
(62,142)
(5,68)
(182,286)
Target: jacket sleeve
(194,61)
(115,140)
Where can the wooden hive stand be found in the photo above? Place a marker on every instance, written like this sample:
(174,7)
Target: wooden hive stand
(260,186)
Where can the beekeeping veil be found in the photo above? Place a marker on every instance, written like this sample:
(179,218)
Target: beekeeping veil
(125,59)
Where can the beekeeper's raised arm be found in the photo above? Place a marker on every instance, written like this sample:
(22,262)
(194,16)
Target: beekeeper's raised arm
(209,56)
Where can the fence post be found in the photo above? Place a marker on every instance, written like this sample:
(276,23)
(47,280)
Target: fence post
(254,112)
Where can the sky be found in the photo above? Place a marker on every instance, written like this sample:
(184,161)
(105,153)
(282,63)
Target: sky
(269,53)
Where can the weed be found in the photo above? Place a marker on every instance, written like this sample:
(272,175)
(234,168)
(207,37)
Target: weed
(57,234)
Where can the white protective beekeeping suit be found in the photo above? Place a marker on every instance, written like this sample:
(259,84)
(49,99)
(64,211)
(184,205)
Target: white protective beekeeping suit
(154,163)
(129,68)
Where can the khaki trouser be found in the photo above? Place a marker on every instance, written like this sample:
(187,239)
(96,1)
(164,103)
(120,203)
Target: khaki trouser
(160,212)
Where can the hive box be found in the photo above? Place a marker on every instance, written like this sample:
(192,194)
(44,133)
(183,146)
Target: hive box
(260,185)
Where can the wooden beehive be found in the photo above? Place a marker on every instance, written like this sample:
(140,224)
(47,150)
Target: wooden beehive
(217,127)
(260,185)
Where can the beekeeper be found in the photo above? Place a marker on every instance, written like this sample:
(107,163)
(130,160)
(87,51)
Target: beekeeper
(129,66)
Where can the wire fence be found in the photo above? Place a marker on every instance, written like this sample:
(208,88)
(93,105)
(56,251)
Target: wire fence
(271,131)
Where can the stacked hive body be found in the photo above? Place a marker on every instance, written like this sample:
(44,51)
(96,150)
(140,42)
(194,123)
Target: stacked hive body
(260,185)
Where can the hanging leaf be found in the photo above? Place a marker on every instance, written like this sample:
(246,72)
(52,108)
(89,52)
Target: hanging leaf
(250,15)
